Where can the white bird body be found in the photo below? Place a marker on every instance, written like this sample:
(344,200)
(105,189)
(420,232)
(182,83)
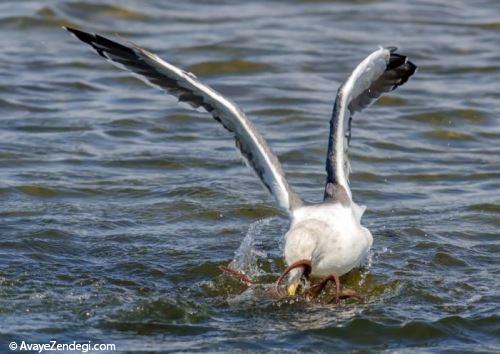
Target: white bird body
(328,236)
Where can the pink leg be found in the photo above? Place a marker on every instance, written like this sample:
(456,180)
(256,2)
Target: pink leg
(315,290)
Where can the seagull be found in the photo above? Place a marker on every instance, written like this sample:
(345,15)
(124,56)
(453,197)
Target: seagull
(325,240)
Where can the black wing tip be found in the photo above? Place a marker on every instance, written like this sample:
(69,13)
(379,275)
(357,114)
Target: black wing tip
(396,60)
(400,64)
(70,29)
(405,72)
(413,67)
(99,43)
(81,35)
(410,70)
(85,37)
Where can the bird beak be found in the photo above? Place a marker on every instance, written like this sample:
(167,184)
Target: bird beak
(292,289)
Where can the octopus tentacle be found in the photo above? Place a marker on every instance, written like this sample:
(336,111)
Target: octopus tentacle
(237,274)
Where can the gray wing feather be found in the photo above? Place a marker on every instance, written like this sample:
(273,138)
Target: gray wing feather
(187,88)
(382,71)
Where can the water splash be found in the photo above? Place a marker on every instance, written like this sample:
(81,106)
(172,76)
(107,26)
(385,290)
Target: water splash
(247,255)
(366,268)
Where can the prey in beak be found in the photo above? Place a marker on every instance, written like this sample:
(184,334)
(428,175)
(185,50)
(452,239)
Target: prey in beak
(296,270)
(291,289)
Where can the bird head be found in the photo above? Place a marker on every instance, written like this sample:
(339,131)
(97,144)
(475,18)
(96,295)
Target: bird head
(295,272)
(294,281)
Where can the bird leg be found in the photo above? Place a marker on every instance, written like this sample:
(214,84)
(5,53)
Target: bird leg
(304,263)
(314,291)
(237,274)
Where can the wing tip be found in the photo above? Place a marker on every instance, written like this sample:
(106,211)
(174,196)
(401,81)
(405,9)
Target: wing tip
(99,43)
(414,68)
(81,35)
(77,33)
(400,63)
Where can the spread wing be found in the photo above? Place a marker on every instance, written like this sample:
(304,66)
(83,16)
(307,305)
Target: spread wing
(187,88)
(382,71)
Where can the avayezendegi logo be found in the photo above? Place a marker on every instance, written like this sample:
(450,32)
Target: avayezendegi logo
(55,346)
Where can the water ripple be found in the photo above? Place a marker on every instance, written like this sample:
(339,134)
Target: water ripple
(118,205)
